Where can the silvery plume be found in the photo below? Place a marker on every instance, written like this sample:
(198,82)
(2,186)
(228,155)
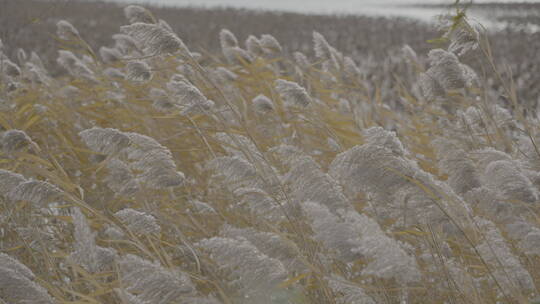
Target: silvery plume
(301,60)
(36,60)
(124,43)
(470,76)
(37,192)
(15,141)
(351,70)
(190,98)
(488,203)
(223,76)
(338,237)
(153,283)
(464,37)
(201,207)
(11,263)
(485,156)
(371,168)
(286,154)
(138,222)
(158,169)
(269,243)
(377,169)
(292,93)
(238,145)
(109,55)
(161,100)
(260,203)
(36,74)
(127,297)
(136,13)
(324,51)
(138,71)
(69,92)
(165,25)
(381,137)
(461,171)
(140,145)
(9,68)
(503,177)
(120,178)
(86,253)
(66,31)
(428,88)
(308,182)
(530,244)
(504,265)
(154,39)
(236,171)
(105,140)
(114,73)
(75,66)
(227,39)
(270,44)
(237,55)
(446,69)
(348,292)
(254,47)
(478,121)
(9,180)
(254,273)
(388,257)
(409,54)
(17,283)
(354,236)
(262,104)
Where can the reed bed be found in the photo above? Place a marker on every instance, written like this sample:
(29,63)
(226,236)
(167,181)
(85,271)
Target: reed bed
(152,173)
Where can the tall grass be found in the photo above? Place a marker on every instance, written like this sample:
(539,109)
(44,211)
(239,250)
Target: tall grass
(154,174)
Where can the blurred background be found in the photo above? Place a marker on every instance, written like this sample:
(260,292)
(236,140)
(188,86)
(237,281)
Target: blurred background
(370,31)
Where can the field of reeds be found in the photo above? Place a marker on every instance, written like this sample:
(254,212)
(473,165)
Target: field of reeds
(148,170)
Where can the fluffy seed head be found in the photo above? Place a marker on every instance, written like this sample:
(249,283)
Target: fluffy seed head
(86,253)
(136,13)
(9,180)
(257,273)
(262,104)
(153,283)
(409,53)
(237,55)
(37,192)
(66,31)
(124,43)
(9,68)
(254,46)
(446,69)
(138,71)
(270,44)
(227,39)
(292,93)
(154,39)
(138,222)
(105,140)
(463,38)
(504,177)
(301,60)
(109,55)
(17,285)
(14,141)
